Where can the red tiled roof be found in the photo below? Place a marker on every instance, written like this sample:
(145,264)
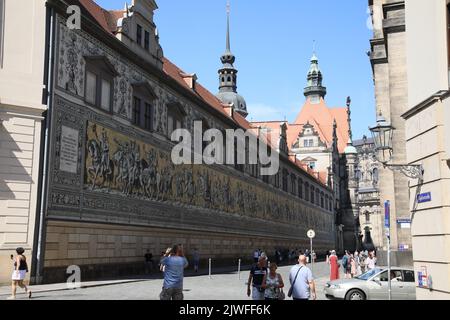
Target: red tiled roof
(322,118)
(102,16)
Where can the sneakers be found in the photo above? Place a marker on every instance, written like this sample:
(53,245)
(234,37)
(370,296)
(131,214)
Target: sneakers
(11,298)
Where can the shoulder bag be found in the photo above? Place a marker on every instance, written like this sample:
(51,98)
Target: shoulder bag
(293,283)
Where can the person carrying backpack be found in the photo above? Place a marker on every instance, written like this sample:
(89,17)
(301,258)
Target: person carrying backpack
(346,265)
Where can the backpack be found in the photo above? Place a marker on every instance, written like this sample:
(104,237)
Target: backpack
(344,261)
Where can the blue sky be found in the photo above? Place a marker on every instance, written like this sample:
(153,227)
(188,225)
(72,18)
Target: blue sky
(273,43)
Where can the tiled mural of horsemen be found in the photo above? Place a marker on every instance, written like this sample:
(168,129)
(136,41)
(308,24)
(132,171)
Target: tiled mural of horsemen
(117,164)
(101,165)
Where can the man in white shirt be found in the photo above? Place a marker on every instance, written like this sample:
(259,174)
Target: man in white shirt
(371,261)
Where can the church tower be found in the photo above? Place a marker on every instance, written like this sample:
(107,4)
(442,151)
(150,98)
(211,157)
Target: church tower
(228,78)
(314,90)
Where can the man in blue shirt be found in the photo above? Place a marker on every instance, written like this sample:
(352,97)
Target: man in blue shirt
(174,264)
(302,281)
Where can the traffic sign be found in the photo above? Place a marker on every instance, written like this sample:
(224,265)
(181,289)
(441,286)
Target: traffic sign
(311,234)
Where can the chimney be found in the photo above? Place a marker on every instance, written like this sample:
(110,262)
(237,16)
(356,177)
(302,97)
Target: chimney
(190,79)
(228,109)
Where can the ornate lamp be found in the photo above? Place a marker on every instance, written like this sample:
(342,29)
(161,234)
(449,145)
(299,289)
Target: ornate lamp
(382,135)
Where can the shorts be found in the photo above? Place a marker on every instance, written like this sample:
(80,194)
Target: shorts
(171,294)
(257,295)
(19,275)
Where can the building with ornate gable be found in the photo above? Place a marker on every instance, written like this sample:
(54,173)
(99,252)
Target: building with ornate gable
(320,138)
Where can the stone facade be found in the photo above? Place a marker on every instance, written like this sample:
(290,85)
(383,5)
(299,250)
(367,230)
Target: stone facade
(368,195)
(113,192)
(21,124)
(388,58)
(427,128)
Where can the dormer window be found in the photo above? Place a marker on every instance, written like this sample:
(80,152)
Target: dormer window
(99,82)
(139,35)
(143,99)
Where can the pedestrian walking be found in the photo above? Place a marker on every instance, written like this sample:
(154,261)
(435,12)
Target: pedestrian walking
(148,257)
(307,254)
(255,279)
(357,256)
(256,256)
(196,258)
(352,265)
(273,284)
(371,261)
(334,266)
(302,281)
(346,264)
(19,273)
(174,265)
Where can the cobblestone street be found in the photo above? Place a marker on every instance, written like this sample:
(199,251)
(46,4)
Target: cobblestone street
(226,286)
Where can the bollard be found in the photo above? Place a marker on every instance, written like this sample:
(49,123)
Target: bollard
(239,269)
(210,268)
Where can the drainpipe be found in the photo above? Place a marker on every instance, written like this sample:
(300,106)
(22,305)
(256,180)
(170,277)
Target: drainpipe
(47,99)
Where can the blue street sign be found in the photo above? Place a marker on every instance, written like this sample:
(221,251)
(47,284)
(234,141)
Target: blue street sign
(424,197)
(403,220)
(387,214)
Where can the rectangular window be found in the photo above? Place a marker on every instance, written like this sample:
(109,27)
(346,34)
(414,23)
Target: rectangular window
(170,125)
(147,40)
(305,143)
(137,111)
(300,189)
(148,125)
(2,22)
(91,88)
(139,35)
(106,95)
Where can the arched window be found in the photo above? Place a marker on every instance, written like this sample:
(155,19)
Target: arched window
(322,200)
(307,194)
(312,195)
(285,180)
(300,188)
(293,184)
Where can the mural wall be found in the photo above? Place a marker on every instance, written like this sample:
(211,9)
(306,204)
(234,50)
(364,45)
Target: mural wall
(105,170)
(117,164)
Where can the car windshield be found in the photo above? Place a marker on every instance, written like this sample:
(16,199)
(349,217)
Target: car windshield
(369,274)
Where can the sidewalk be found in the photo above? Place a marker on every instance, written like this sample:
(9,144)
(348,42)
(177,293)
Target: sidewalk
(6,290)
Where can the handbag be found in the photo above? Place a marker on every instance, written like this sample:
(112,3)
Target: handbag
(293,283)
(281,295)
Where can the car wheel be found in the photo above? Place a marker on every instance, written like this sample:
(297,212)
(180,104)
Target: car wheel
(355,294)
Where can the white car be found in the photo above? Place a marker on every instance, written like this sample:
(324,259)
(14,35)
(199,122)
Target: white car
(373,285)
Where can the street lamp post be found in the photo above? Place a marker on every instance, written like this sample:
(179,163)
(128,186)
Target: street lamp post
(387,224)
(382,135)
